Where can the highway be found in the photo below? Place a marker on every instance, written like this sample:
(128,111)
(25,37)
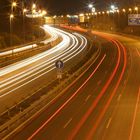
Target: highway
(53,36)
(102,104)
(21,79)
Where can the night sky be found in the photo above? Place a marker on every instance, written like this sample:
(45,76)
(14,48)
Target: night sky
(71,6)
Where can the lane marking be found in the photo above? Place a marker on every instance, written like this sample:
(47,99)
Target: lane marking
(92,131)
(67,123)
(125,81)
(66,102)
(87,98)
(109,122)
(119,97)
(138,52)
(83,39)
(134,117)
(96,101)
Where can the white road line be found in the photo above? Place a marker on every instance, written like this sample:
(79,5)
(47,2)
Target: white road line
(134,116)
(109,122)
(119,97)
(67,123)
(138,52)
(53,37)
(87,98)
(65,59)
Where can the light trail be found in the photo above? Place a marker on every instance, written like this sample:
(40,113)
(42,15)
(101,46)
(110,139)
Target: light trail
(67,101)
(53,37)
(39,70)
(64,44)
(43,64)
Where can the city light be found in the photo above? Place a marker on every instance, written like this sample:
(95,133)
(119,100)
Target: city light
(103,12)
(14,4)
(130,9)
(112,7)
(118,11)
(81,14)
(44,12)
(68,16)
(54,17)
(34,6)
(11,16)
(136,8)
(124,10)
(107,12)
(90,5)
(24,10)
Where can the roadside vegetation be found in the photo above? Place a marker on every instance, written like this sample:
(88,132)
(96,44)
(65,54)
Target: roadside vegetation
(20,34)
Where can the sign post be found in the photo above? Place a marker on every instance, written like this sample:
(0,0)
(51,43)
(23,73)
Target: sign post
(59,65)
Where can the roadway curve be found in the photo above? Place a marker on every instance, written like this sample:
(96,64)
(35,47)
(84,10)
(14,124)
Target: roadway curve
(53,36)
(23,78)
(101,104)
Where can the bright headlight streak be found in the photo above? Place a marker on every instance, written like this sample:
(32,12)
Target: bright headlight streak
(26,62)
(53,37)
(83,38)
(47,60)
(44,64)
(64,58)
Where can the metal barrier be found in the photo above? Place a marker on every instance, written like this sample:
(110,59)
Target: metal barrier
(21,119)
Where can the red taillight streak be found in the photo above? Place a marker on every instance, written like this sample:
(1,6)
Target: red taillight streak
(58,110)
(92,131)
(90,110)
(134,116)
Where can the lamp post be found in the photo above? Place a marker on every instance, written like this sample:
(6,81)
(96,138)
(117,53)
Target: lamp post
(24,10)
(13,5)
(92,10)
(90,6)
(136,9)
(11,28)
(33,13)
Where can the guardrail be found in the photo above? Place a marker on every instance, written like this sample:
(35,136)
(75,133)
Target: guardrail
(24,116)
(4,61)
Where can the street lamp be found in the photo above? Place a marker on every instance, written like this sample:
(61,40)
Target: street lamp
(11,16)
(90,6)
(113,8)
(23,14)
(34,6)
(44,12)
(11,19)
(118,11)
(136,9)
(130,10)
(14,4)
(124,10)
(24,10)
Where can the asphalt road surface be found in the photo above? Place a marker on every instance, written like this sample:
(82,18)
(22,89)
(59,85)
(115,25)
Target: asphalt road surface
(102,105)
(23,78)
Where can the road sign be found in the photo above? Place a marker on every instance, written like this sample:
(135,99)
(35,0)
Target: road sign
(59,64)
(134,19)
(59,76)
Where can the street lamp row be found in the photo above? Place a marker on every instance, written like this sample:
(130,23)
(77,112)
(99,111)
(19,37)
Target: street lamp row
(130,10)
(24,11)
